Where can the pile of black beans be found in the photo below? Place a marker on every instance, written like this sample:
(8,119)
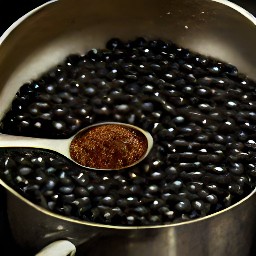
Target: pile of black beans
(200,111)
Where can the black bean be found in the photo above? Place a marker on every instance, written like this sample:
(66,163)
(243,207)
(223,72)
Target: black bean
(99,189)
(203,91)
(67,198)
(141,210)
(81,192)
(232,104)
(212,199)
(171,172)
(114,43)
(66,189)
(80,178)
(174,186)
(20,181)
(198,205)
(51,205)
(197,175)
(152,189)
(183,206)
(50,184)
(156,219)
(186,166)
(210,158)
(236,189)
(135,190)
(216,169)
(166,212)
(40,176)
(82,202)
(156,204)
(202,138)
(180,144)
(131,220)
(205,107)
(186,131)
(166,196)
(228,127)
(108,200)
(237,168)
(179,120)
(194,186)
(242,180)
(203,193)
(64,181)
(157,175)
(25,170)
(122,203)
(59,126)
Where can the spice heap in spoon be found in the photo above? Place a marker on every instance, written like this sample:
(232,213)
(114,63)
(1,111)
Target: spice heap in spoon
(109,146)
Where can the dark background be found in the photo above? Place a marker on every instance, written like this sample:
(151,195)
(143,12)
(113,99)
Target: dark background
(10,11)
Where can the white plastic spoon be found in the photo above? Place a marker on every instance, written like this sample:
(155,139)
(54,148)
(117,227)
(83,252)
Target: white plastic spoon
(62,146)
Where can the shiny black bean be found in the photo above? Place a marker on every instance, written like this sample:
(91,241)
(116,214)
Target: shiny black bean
(183,206)
(81,179)
(50,184)
(83,202)
(194,186)
(156,204)
(24,170)
(64,181)
(215,189)
(210,158)
(186,166)
(114,43)
(66,189)
(197,175)
(136,190)
(67,198)
(180,144)
(237,168)
(157,175)
(141,210)
(198,205)
(152,189)
(108,200)
(173,186)
(212,199)
(167,134)
(179,120)
(171,172)
(205,107)
(215,169)
(236,189)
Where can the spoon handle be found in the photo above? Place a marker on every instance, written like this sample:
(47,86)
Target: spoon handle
(58,145)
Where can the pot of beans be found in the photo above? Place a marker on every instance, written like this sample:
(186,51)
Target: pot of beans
(128,128)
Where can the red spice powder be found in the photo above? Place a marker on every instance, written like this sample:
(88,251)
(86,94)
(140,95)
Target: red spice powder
(108,146)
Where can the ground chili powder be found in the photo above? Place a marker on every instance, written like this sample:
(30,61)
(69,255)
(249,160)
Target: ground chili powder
(108,146)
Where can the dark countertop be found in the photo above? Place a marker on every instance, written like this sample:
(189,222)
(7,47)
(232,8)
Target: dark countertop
(10,11)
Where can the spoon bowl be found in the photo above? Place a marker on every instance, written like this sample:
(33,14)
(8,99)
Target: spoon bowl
(66,146)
